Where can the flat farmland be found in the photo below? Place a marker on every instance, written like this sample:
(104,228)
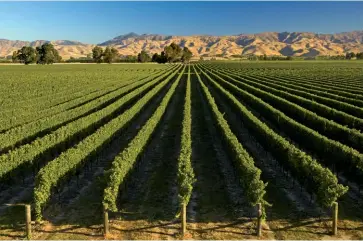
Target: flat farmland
(141,140)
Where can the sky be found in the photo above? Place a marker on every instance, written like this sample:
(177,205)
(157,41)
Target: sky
(96,22)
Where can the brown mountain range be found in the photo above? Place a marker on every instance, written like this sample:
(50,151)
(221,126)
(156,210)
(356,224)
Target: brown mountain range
(270,43)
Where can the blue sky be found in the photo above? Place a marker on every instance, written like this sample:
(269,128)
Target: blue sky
(95,22)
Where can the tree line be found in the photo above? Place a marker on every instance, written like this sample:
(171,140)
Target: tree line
(171,54)
(109,55)
(347,56)
(353,55)
(44,54)
(47,54)
(265,57)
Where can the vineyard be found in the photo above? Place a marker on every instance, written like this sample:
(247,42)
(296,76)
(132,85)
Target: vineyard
(206,143)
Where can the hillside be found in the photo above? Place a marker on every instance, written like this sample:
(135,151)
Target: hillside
(66,48)
(269,43)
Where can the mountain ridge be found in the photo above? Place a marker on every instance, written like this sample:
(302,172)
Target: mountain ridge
(307,44)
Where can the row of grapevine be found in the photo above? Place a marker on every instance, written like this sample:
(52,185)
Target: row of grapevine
(319,75)
(72,159)
(333,153)
(316,179)
(27,154)
(349,87)
(249,174)
(186,176)
(320,109)
(323,84)
(27,114)
(336,104)
(336,95)
(350,137)
(15,135)
(48,100)
(332,75)
(342,106)
(64,91)
(343,96)
(348,90)
(124,162)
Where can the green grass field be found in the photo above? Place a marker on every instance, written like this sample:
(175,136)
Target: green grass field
(141,139)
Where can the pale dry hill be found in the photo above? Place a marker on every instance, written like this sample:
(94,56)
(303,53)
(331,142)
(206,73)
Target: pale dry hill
(270,43)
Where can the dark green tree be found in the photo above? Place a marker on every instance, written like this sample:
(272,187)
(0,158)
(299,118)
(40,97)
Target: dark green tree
(47,54)
(143,57)
(129,59)
(110,55)
(107,55)
(26,55)
(159,58)
(97,54)
(186,55)
(162,58)
(155,57)
(115,54)
(173,52)
(15,58)
(350,55)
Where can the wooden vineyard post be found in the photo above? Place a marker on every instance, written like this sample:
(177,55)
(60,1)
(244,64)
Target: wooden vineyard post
(28,221)
(335,218)
(106,229)
(184,218)
(259,219)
